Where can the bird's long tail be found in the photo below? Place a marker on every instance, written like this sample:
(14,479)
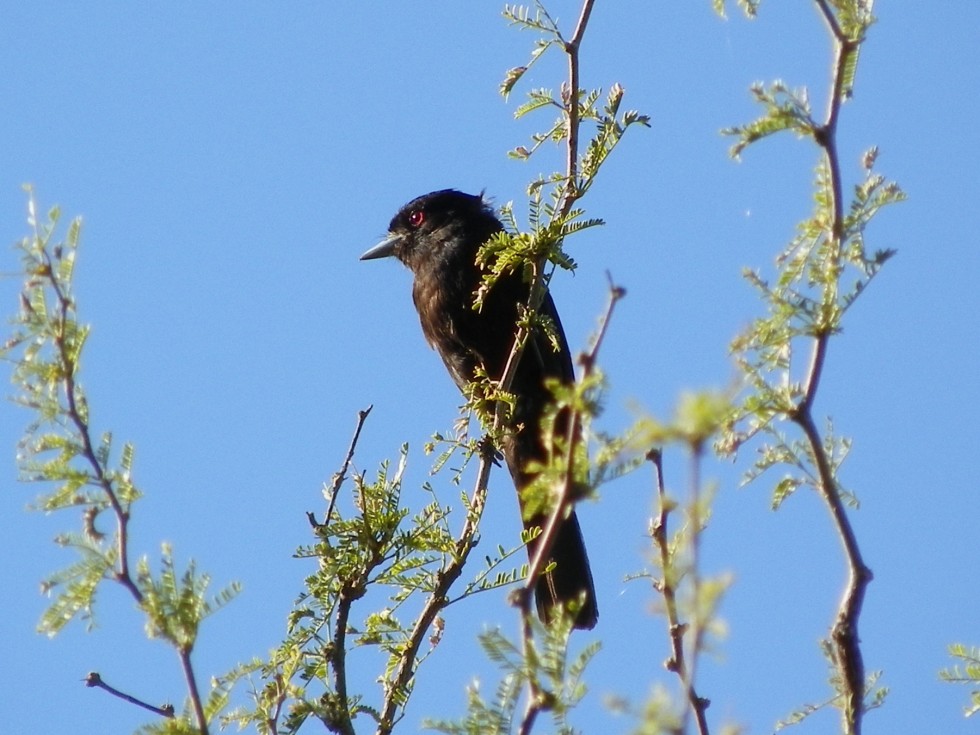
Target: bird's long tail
(570,582)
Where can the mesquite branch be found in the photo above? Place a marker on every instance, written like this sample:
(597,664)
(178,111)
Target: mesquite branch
(844,633)
(679,662)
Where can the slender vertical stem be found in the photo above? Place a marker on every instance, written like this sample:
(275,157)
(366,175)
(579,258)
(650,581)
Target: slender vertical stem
(195,695)
(667,586)
(338,479)
(845,641)
(569,197)
(572,108)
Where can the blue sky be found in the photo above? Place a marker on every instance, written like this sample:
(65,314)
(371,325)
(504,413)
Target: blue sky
(231,163)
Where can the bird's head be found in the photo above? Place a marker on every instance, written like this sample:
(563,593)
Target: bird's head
(439,226)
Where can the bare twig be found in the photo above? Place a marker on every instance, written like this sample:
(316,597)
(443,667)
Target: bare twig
(95,680)
(339,477)
(827,12)
(337,659)
(676,629)
(844,633)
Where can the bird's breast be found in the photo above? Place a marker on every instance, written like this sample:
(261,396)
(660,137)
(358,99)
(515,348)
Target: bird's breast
(447,323)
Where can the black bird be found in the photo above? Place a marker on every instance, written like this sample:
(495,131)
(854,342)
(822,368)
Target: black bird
(437,236)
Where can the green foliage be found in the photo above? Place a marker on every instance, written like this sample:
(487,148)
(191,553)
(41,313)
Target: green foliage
(783,109)
(522,252)
(874,695)
(566,462)
(181,725)
(658,715)
(384,573)
(749,7)
(59,448)
(372,549)
(689,600)
(458,443)
(697,418)
(853,17)
(610,126)
(184,723)
(553,217)
(969,674)
(550,35)
(76,584)
(819,276)
(800,456)
(541,663)
(175,605)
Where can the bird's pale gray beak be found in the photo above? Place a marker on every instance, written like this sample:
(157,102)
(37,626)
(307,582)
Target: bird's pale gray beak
(384,249)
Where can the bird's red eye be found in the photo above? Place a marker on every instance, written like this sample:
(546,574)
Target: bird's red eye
(416,218)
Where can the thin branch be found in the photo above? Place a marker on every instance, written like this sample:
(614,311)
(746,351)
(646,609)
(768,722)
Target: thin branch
(531,712)
(537,699)
(95,680)
(826,136)
(666,586)
(569,197)
(537,291)
(844,633)
(698,704)
(337,655)
(76,413)
(68,369)
(438,598)
(339,477)
(565,497)
(831,20)
(818,358)
(195,695)
(572,108)
(337,659)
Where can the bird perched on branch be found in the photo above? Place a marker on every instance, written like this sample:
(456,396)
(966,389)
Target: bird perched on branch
(437,236)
